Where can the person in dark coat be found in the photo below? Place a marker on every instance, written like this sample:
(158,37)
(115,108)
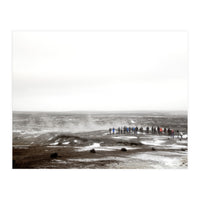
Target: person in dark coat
(158,128)
(118,130)
(125,129)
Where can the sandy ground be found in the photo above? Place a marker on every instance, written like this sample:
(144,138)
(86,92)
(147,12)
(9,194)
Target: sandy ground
(144,151)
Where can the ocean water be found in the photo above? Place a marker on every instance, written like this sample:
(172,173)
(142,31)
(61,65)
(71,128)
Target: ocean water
(78,122)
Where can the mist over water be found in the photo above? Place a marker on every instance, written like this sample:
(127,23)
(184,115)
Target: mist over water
(45,122)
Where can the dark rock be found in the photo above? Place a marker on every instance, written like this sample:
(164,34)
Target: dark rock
(183,149)
(153,149)
(54,155)
(92,151)
(123,149)
(136,143)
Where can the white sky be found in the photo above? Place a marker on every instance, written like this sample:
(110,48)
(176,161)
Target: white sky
(61,71)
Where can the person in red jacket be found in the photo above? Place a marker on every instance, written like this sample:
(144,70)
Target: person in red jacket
(172,131)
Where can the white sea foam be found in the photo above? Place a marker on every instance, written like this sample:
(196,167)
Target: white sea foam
(94,159)
(98,147)
(182,142)
(86,148)
(176,146)
(65,142)
(59,161)
(111,148)
(154,142)
(141,133)
(55,143)
(162,160)
(185,136)
(125,137)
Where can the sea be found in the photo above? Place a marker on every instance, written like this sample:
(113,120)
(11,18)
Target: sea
(90,121)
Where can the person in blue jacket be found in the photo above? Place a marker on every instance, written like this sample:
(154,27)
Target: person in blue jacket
(113,130)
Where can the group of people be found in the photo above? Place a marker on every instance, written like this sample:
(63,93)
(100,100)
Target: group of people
(135,130)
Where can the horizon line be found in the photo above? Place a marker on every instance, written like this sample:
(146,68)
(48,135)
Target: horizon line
(98,110)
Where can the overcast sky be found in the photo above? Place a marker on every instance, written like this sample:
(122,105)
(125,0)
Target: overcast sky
(66,71)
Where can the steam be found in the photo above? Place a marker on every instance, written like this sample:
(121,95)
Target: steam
(39,124)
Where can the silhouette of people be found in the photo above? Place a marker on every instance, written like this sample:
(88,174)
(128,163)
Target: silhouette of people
(119,130)
(172,133)
(127,129)
(158,129)
(168,131)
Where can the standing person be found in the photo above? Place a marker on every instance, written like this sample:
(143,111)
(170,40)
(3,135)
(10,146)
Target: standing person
(158,128)
(118,130)
(121,130)
(110,130)
(172,133)
(168,131)
(130,129)
(113,130)
(136,129)
(124,129)
(147,129)
(161,130)
(127,130)
(164,130)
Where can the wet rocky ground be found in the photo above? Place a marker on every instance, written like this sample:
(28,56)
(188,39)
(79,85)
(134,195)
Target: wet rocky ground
(99,150)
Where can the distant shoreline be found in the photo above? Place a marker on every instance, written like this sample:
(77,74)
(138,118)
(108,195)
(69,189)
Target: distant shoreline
(117,111)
